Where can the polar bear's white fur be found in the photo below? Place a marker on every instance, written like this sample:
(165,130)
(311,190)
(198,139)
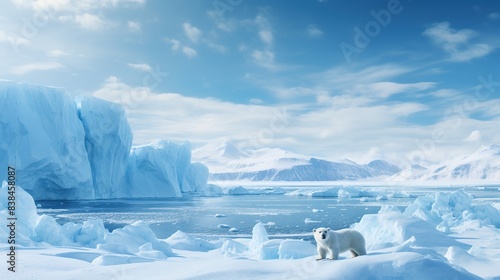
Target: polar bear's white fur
(336,242)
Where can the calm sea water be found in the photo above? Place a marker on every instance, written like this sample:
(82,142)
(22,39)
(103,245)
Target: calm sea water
(214,216)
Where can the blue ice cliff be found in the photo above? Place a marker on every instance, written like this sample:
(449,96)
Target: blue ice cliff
(67,149)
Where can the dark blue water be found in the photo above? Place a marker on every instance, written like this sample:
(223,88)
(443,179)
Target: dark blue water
(285,215)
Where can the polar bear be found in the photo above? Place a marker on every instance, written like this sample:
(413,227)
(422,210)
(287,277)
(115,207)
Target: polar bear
(336,242)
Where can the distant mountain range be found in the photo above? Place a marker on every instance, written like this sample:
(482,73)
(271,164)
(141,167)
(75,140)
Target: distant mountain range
(484,164)
(227,162)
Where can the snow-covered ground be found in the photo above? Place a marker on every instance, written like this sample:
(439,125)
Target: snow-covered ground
(441,235)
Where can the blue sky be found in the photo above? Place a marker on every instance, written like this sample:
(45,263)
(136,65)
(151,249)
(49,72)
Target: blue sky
(407,81)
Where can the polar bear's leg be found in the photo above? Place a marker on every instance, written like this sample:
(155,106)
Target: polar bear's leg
(321,253)
(333,253)
(354,254)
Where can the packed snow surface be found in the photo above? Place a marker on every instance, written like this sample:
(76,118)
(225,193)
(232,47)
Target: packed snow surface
(442,235)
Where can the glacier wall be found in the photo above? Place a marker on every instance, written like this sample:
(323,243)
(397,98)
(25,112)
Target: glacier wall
(108,139)
(42,137)
(81,149)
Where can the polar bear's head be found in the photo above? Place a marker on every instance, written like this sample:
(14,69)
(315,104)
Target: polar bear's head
(321,234)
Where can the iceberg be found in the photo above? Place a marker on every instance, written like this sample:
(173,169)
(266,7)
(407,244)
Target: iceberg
(67,149)
(43,138)
(108,139)
(163,169)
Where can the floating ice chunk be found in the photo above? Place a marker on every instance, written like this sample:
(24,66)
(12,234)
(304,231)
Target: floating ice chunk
(220,215)
(381,197)
(311,221)
(233,229)
(136,235)
(238,190)
(223,226)
(363,199)
(316,210)
(296,249)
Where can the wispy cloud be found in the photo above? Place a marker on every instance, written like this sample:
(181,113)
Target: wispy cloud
(144,67)
(457,42)
(264,58)
(386,89)
(42,66)
(177,46)
(313,31)
(57,53)
(191,32)
(85,13)
(189,52)
(91,22)
(134,26)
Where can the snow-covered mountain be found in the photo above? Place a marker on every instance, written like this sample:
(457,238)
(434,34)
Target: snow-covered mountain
(226,161)
(484,164)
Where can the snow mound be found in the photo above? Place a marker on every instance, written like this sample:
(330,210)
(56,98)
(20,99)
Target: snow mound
(136,240)
(182,241)
(451,209)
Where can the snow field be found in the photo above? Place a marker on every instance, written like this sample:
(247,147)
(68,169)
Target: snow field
(442,235)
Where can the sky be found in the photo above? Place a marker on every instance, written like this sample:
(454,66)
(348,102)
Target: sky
(412,82)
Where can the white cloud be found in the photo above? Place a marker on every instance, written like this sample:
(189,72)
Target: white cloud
(264,59)
(313,31)
(346,127)
(494,16)
(266,36)
(189,52)
(42,66)
(144,67)
(90,21)
(134,26)
(175,117)
(457,43)
(74,6)
(386,89)
(217,47)
(474,136)
(13,39)
(82,12)
(192,32)
(57,53)
(177,46)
